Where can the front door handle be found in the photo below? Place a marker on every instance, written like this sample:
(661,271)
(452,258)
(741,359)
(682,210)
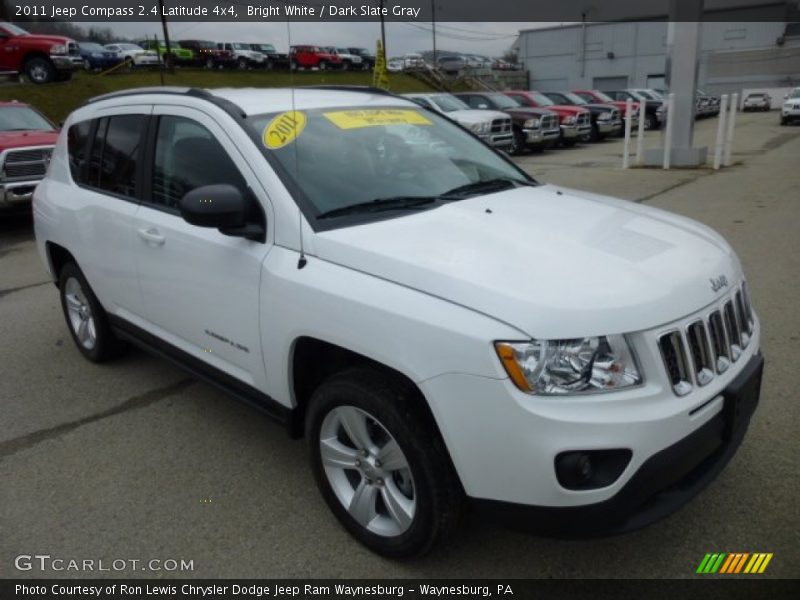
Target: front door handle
(152,236)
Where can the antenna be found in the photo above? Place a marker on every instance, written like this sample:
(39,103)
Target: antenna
(302,260)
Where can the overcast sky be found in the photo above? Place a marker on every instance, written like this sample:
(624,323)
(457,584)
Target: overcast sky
(490,39)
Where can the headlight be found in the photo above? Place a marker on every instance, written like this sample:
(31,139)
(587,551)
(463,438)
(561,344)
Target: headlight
(480,128)
(605,116)
(97,55)
(531,124)
(58,49)
(569,121)
(575,366)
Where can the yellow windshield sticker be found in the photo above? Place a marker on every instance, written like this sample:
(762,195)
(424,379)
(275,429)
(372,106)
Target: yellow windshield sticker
(284,129)
(353,119)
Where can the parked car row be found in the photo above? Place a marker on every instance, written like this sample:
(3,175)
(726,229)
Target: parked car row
(519,120)
(450,63)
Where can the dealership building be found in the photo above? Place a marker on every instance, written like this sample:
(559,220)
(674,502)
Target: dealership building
(734,56)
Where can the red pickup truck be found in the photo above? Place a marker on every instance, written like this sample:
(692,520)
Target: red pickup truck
(26,144)
(42,58)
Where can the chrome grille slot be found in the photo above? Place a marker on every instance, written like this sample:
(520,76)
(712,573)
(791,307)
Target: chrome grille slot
(741,319)
(748,306)
(732,330)
(719,342)
(700,352)
(674,356)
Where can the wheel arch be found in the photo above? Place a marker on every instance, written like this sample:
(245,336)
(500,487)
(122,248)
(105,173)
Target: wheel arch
(57,257)
(313,360)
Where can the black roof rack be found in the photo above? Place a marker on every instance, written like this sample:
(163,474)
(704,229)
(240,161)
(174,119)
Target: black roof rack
(352,88)
(163,89)
(227,105)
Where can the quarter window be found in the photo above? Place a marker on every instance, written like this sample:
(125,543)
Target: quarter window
(115,154)
(188,156)
(77,142)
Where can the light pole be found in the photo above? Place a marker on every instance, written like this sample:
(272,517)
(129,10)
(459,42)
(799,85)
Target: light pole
(433,27)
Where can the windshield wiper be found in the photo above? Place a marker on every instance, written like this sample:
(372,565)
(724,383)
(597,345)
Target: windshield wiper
(380,205)
(485,186)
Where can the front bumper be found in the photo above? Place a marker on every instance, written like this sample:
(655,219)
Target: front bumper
(504,443)
(609,126)
(663,484)
(569,132)
(66,62)
(16,194)
(790,113)
(500,140)
(534,137)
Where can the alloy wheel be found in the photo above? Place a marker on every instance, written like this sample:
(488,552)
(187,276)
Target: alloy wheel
(79,310)
(368,471)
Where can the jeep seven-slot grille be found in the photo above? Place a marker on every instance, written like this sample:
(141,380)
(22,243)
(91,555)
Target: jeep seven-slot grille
(708,346)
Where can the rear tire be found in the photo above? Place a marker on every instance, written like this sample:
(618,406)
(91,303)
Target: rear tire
(242,64)
(322,65)
(87,321)
(650,122)
(400,507)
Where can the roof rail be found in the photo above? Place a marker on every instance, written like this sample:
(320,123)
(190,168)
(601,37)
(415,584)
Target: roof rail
(352,88)
(165,89)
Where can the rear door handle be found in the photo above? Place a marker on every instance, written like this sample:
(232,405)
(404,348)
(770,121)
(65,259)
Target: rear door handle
(152,236)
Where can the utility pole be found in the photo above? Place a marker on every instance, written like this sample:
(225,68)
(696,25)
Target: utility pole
(383,29)
(433,26)
(168,55)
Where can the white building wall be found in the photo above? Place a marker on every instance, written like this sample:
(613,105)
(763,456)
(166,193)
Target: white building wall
(558,58)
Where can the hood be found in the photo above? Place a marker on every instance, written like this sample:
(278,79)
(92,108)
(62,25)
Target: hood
(475,116)
(552,263)
(525,111)
(33,38)
(598,108)
(567,110)
(22,139)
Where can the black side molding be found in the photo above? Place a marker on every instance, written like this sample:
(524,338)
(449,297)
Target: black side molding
(137,336)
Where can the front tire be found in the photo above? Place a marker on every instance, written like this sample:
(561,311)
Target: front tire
(650,123)
(323,65)
(242,64)
(40,70)
(86,319)
(381,464)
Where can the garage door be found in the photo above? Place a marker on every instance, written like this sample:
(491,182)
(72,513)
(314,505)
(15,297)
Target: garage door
(549,85)
(609,83)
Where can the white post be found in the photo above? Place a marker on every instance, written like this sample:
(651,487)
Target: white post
(729,138)
(668,133)
(640,136)
(626,158)
(723,107)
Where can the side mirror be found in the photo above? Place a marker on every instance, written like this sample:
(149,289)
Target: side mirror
(222,206)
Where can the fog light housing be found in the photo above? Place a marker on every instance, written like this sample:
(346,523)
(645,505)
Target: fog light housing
(591,469)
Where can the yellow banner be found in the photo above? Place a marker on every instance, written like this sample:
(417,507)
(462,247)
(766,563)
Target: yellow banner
(353,119)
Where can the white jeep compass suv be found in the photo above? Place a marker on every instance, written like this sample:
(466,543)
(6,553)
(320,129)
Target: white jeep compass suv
(444,330)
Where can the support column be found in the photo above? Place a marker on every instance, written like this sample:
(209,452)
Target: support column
(683,52)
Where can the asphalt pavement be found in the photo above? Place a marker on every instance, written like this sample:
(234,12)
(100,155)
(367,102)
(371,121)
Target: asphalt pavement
(136,460)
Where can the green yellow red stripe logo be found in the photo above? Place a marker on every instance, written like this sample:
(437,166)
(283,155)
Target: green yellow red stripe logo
(732,563)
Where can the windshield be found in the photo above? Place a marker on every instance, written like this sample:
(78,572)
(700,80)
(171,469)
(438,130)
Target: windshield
(449,103)
(795,93)
(341,157)
(540,99)
(129,46)
(503,101)
(13,29)
(263,47)
(240,46)
(92,47)
(600,96)
(206,45)
(647,94)
(22,118)
(574,98)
